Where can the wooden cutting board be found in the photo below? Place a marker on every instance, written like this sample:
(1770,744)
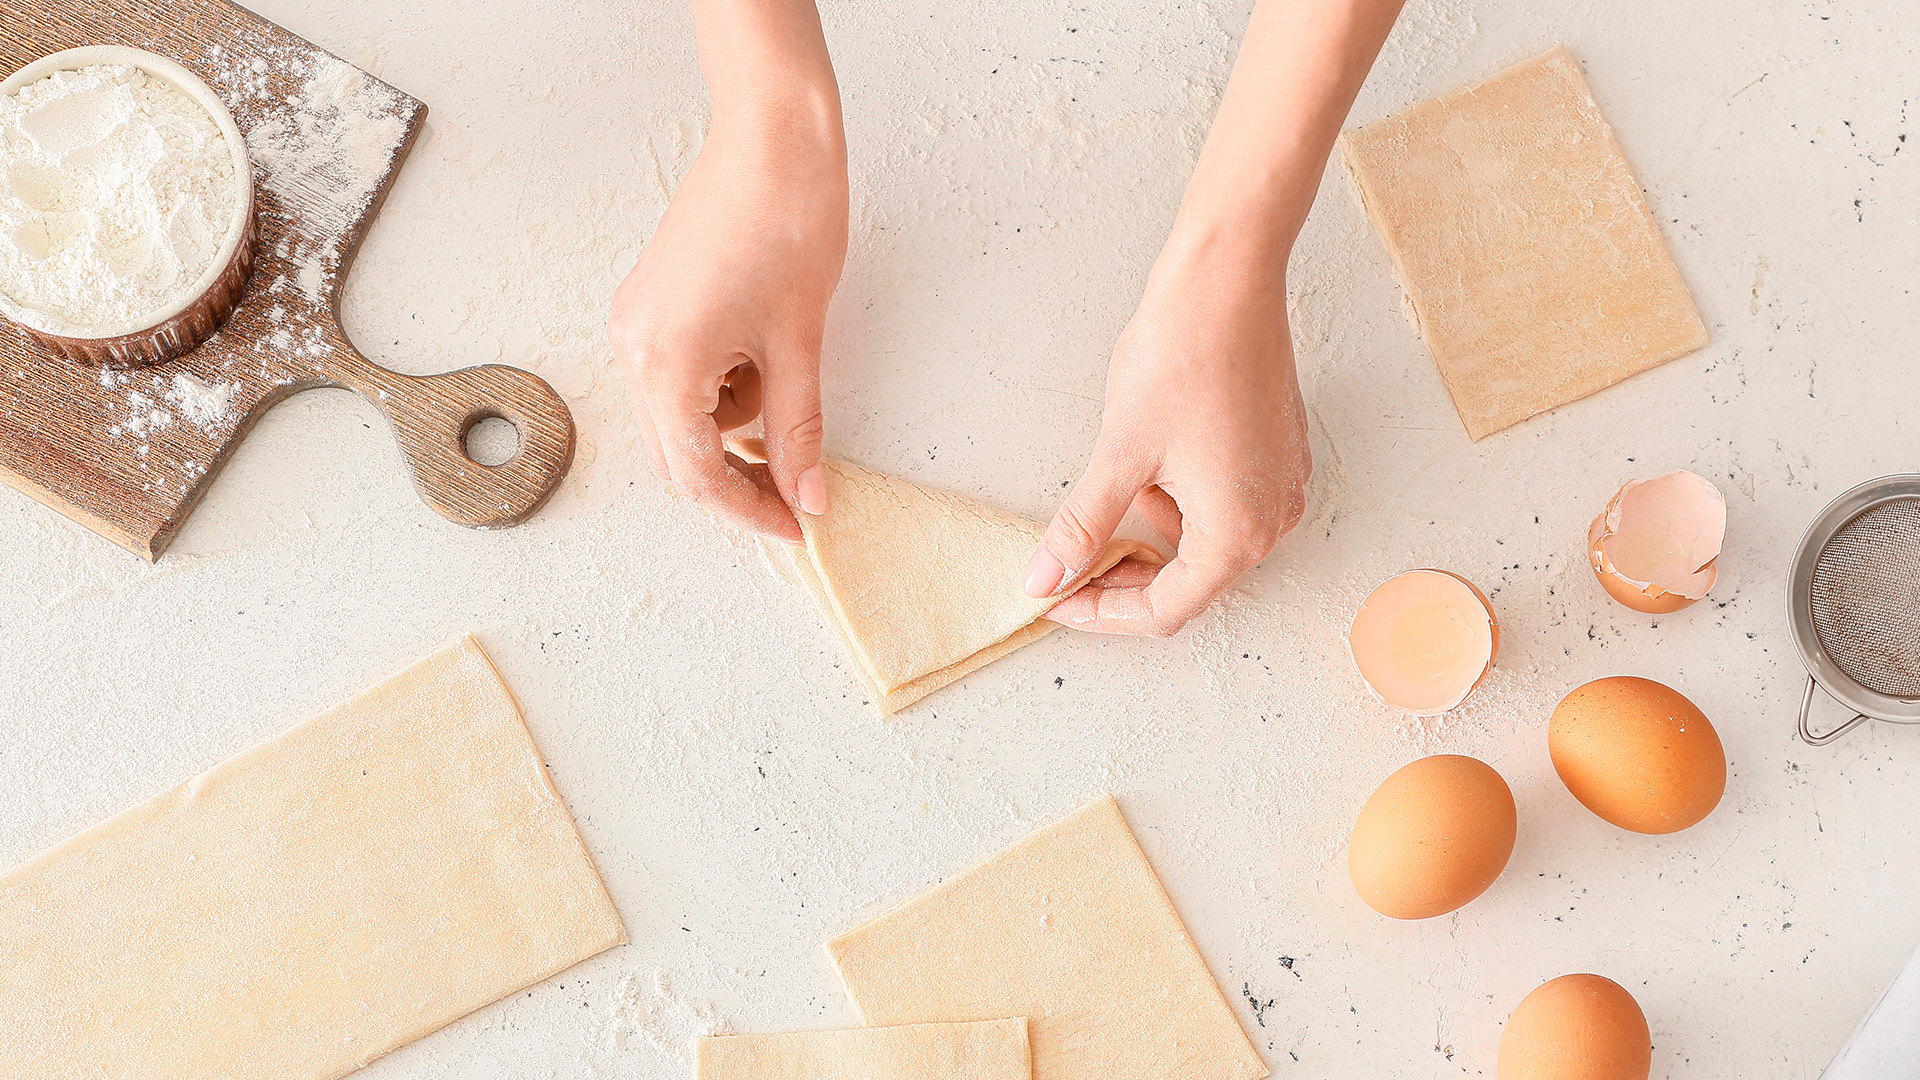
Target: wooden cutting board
(129,454)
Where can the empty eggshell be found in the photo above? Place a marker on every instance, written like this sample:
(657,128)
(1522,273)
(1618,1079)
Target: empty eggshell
(1654,546)
(1638,754)
(1432,837)
(1576,1027)
(1424,640)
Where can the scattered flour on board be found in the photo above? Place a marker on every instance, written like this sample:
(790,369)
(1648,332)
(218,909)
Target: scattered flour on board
(326,156)
(207,405)
(144,414)
(323,152)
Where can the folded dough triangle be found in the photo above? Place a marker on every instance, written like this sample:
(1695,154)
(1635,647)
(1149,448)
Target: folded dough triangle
(922,586)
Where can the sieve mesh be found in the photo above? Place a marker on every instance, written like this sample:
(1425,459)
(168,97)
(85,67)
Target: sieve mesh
(1866,599)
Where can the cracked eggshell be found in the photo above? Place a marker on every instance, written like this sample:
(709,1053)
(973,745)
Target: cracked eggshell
(1654,547)
(1424,641)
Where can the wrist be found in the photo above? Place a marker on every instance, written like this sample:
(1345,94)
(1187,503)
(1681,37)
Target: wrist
(1258,200)
(795,114)
(1238,252)
(769,76)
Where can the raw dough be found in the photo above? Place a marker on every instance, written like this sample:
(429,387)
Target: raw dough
(1533,265)
(921,586)
(303,908)
(985,1050)
(1070,928)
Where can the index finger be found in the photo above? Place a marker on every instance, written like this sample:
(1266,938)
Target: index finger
(1159,608)
(699,467)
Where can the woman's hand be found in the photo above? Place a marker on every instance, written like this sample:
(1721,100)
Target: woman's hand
(1204,433)
(1204,430)
(721,319)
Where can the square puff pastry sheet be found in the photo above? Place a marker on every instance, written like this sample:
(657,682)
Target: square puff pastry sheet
(295,912)
(1523,242)
(1071,929)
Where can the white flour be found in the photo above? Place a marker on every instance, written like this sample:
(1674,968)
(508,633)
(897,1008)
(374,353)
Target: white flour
(116,191)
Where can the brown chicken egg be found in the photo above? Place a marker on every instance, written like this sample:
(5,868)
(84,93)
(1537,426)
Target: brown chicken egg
(1576,1027)
(1431,837)
(1638,754)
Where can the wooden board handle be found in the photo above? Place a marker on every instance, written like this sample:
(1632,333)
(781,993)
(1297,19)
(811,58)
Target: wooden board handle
(431,415)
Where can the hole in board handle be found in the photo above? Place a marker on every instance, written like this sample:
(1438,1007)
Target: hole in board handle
(491,441)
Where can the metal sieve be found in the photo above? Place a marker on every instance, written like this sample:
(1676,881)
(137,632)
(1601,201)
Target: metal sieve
(1853,604)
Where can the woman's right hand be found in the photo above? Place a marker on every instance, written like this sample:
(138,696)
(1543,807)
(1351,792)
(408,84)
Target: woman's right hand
(721,319)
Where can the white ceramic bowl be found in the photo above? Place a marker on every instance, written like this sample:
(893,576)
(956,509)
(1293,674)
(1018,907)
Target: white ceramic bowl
(203,306)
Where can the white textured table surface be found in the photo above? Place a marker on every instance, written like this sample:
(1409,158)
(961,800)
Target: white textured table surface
(1015,167)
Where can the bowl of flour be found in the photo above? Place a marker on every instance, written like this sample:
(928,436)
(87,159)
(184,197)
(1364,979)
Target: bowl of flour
(126,206)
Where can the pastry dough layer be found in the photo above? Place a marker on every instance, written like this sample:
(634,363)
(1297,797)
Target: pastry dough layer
(985,1050)
(921,586)
(1070,928)
(1523,242)
(299,910)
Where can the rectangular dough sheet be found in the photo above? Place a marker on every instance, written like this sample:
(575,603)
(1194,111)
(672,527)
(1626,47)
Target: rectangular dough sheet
(983,1050)
(1071,929)
(1534,267)
(295,912)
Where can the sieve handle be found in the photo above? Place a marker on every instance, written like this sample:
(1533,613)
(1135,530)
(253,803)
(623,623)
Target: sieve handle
(1806,733)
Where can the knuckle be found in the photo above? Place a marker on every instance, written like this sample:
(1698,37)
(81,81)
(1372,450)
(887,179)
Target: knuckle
(1251,533)
(653,367)
(654,357)
(1164,628)
(634,334)
(692,484)
(660,353)
(808,434)
(1119,451)
(1261,537)
(1293,508)
(1168,615)
(1070,528)
(1172,617)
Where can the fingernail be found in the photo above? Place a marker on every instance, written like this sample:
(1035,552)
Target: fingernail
(812,489)
(1044,574)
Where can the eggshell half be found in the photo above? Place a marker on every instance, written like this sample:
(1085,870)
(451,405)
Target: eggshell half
(1576,1027)
(1638,754)
(1432,837)
(1654,546)
(1424,641)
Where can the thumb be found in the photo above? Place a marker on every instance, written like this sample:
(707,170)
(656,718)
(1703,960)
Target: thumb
(1080,530)
(791,406)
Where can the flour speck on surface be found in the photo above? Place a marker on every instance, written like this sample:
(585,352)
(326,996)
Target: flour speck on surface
(654,1017)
